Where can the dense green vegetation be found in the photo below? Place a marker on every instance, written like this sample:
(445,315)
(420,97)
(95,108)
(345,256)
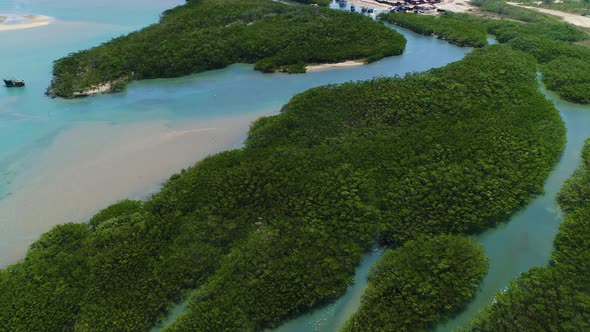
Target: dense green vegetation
(565,65)
(268,231)
(556,297)
(570,77)
(452,27)
(419,284)
(502,8)
(211,34)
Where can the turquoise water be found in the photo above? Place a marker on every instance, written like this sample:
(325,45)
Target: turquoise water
(333,316)
(28,119)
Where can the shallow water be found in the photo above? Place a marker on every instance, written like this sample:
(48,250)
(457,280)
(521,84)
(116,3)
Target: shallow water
(333,316)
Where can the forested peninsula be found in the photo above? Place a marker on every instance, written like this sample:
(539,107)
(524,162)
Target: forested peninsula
(212,34)
(565,65)
(455,28)
(556,297)
(256,235)
(419,284)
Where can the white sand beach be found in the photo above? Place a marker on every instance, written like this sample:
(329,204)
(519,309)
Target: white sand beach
(17,22)
(92,165)
(327,66)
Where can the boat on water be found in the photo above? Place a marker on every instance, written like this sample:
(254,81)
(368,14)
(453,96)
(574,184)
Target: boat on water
(13,83)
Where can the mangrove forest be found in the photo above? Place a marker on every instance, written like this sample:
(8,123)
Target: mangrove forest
(212,34)
(253,236)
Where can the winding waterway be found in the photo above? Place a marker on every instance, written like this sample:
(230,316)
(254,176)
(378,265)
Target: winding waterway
(526,240)
(42,138)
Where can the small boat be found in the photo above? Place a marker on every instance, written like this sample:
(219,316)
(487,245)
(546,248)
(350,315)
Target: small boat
(13,83)
(370,10)
(352,8)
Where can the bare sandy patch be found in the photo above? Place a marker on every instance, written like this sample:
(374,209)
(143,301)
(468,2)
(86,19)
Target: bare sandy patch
(95,90)
(327,66)
(575,19)
(456,6)
(93,165)
(24,22)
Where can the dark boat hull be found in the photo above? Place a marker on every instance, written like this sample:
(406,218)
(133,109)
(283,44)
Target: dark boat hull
(14,83)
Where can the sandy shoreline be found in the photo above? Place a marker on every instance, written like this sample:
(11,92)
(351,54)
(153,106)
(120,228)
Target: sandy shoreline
(327,66)
(575,19)
(92,165)
(8,23)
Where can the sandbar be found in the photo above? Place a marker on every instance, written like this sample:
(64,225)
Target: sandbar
(8,23)
(91,165)
(327,66)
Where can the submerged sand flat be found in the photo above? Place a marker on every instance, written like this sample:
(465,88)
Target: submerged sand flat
(17,22)
(93,165)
